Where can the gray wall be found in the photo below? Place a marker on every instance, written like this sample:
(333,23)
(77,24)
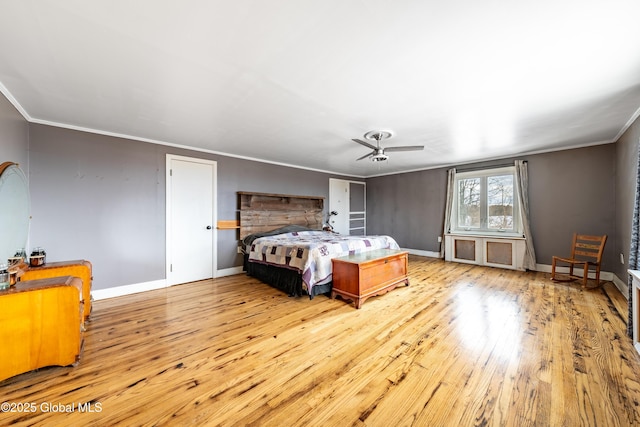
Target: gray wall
(626,171)
(98,198)
(102,198)
(14,136)
(570,190)
(409,207)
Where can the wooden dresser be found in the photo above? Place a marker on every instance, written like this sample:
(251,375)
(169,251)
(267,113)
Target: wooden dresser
(41,324)
(79,268)
(360,276)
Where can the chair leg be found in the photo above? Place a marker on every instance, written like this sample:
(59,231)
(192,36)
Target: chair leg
(561,277)
(571,270)
(586,275)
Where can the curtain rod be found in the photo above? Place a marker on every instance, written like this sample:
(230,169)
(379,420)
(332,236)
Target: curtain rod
(478,168)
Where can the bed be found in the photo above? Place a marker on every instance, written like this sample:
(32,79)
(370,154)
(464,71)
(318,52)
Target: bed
(297,259)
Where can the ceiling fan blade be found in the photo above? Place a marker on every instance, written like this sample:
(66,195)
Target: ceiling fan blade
(366,144)
(366,155)
(405,148)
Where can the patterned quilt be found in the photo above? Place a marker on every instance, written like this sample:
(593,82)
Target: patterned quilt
(310,252)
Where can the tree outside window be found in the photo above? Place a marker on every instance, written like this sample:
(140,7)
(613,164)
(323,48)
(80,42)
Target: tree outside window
(485,201)
(500,202)
(469,203)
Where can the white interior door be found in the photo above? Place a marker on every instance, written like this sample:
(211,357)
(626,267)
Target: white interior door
(190,219)
(339,202)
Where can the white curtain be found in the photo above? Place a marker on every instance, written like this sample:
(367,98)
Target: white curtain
(522,181)
(451,182)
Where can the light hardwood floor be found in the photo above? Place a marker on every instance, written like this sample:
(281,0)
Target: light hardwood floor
(461,346)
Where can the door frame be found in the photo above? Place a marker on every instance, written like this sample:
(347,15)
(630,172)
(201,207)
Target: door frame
(214,220)
(348,183)
(363,212)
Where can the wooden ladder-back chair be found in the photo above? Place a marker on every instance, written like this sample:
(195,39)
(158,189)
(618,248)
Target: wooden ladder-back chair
(586,252)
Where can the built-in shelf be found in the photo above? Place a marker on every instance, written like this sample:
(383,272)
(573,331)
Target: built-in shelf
(228,224)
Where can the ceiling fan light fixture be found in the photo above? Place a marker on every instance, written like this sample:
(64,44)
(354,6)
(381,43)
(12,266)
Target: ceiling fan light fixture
(377,154)
(379,157)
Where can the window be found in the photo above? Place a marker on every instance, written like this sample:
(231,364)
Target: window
(485,202)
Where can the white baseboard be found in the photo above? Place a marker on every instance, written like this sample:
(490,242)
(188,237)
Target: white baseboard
(119,291)
(545,268)
(420,252)
(229,271)
(623,287)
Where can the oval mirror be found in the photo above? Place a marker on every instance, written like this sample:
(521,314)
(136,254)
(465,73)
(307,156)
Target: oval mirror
(14,211)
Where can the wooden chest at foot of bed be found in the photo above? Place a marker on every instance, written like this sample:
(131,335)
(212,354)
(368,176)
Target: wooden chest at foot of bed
(358,277)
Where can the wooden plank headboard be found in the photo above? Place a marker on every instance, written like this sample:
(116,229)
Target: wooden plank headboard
(265,211)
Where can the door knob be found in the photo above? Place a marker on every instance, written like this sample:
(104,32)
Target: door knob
(208,227)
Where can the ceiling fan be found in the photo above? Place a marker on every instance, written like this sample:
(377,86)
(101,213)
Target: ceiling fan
(378,153)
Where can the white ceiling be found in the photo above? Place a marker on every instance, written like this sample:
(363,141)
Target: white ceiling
(292,82)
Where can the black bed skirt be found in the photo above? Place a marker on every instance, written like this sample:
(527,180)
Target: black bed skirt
(288,281)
